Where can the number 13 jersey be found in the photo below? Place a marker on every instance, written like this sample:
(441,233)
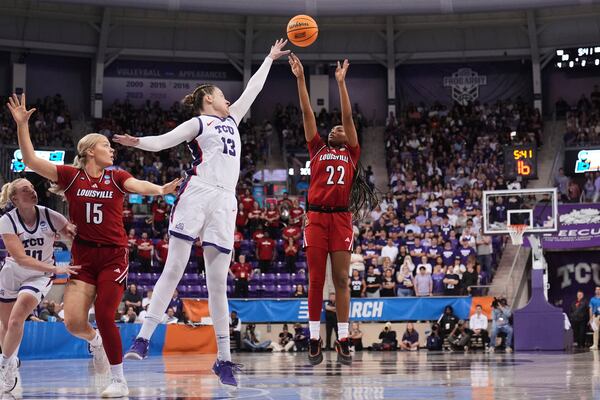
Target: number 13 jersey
(331,173)
(216,151)
(95,204)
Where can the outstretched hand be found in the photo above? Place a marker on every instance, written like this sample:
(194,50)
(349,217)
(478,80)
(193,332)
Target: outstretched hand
(126,140)
(18,109)
(171,187)
(296,65)
(277,49)
(340,71)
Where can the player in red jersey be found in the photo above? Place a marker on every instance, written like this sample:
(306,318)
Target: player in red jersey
(328,227)
(95,196)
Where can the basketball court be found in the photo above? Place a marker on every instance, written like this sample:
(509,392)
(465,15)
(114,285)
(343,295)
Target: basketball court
(282,376)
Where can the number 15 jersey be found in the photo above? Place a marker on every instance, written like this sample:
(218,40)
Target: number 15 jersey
(331,173)
(95,204)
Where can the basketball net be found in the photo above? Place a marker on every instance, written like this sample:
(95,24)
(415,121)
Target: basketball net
(516,232)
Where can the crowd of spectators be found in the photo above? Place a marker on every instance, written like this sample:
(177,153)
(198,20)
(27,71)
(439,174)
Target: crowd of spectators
(582,129)
(49,125)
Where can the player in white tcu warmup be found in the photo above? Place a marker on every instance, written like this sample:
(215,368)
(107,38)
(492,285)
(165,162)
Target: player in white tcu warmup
(206,206)
(28,231)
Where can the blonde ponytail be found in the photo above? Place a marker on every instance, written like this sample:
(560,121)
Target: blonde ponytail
(8,192)
(86,143)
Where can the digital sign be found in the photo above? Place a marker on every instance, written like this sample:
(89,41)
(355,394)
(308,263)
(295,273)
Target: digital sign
(587,161)
(56,157)
(578,57)
(520,161)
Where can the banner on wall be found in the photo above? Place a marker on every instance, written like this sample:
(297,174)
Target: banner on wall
(569,272)
(578,227)
(464,82)
(167,83)
(371,309)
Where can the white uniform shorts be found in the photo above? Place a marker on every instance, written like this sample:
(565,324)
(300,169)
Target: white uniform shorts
(204,211)
(15,279)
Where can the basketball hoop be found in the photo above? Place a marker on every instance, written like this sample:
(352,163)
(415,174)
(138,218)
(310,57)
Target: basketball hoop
(516,232)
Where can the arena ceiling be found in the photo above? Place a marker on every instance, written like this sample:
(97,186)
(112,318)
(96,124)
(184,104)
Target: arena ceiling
(336,7)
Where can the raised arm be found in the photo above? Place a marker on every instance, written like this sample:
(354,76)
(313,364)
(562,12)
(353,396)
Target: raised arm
(21,116)
(238,109)
(347,121)
(184,132)
(308,115)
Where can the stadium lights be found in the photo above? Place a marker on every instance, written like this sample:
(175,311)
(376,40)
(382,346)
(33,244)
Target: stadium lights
(583,63)
(560,52)
(597,61)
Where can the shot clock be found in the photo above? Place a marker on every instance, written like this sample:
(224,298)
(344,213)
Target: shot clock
(520,161)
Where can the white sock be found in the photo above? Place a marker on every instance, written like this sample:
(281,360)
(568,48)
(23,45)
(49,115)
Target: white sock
(315,329)
(96,341)
(217,268)
(342,330)
(116,371)
(179,251)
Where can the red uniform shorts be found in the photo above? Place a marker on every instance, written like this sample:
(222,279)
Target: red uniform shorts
(329,231)
(100,264)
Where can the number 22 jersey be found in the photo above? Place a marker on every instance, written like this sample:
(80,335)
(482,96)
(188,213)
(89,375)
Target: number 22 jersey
(95,204)
(331,173)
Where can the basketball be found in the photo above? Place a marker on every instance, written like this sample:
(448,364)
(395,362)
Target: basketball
(302,30)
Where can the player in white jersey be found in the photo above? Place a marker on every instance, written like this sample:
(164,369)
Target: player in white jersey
(206,206)
(28,232)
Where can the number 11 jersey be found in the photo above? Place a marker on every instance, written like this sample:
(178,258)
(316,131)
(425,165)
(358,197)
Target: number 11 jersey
(95,204)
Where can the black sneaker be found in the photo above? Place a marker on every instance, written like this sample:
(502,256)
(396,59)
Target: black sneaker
(315,354)
(342,347)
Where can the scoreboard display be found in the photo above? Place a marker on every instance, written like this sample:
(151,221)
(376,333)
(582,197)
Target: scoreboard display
(520,161)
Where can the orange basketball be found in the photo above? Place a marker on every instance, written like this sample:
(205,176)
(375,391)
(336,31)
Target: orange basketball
(302,30)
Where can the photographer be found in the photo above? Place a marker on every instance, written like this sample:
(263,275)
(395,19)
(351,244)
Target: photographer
(434,341)
(501,315)
(460,336)
(388,339)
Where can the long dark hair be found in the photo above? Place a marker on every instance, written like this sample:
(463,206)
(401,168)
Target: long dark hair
(363,198)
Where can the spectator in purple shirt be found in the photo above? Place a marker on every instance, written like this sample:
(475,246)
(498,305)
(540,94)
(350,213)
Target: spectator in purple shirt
(410,338)
(404,279)
(417,251)
(448,254)
(465,251)
(435,250)
(437,280)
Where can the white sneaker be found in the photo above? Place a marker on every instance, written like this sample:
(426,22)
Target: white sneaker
(491,349)
(594,347)
(117,388)
(100,361)
(508,350)
(8,377)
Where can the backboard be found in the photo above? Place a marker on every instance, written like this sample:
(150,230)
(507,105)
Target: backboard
(535,208)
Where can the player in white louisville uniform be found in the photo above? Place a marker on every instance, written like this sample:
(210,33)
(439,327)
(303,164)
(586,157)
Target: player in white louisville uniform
(28,232)
(206,206)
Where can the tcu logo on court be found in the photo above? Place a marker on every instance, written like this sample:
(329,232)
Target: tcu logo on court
(465,85)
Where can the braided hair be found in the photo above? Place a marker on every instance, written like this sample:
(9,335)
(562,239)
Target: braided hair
(195,99)
(363,198)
